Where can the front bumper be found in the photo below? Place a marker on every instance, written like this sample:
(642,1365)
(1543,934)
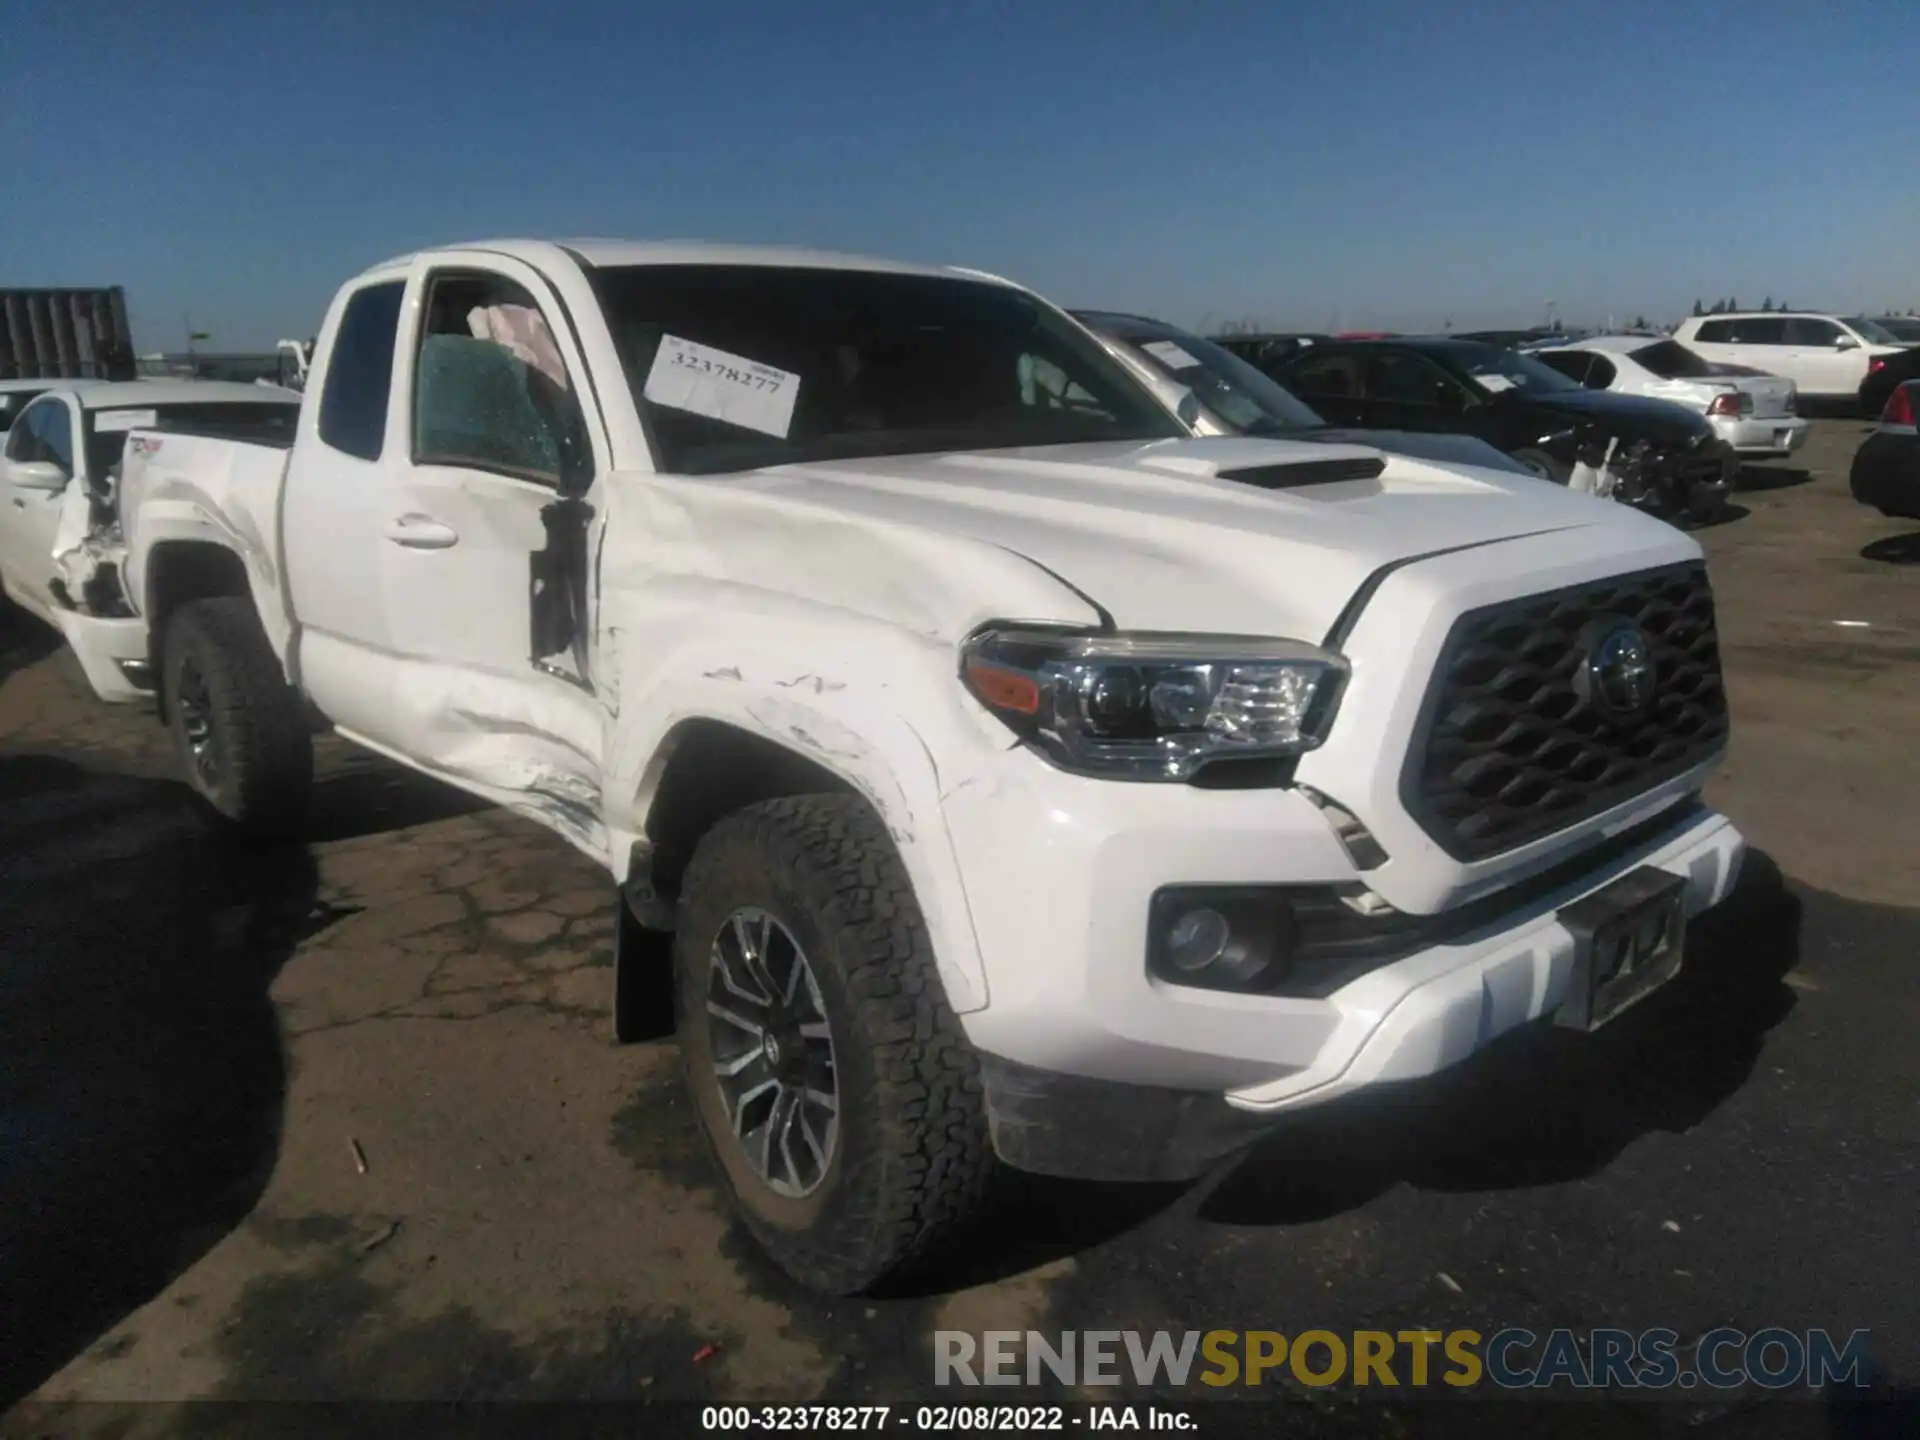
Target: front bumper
(1099,1071)
(1757,438)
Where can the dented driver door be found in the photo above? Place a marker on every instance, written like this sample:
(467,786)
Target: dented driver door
(483,554)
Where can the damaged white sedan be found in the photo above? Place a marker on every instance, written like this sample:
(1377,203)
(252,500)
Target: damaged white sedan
(1024,779)
(61,546)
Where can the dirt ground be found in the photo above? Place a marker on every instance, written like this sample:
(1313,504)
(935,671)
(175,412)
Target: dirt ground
(347,1124)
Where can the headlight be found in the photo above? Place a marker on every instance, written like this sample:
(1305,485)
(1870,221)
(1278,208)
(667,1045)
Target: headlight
(1153,706)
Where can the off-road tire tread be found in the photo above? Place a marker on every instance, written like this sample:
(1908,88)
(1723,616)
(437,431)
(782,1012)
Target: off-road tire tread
(936,1168)
(268,744)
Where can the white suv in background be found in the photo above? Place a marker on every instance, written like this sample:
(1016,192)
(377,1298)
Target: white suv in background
(1825,356)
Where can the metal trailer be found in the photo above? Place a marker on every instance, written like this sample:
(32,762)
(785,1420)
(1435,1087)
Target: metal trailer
(65,335)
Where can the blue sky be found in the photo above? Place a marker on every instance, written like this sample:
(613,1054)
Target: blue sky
(1383,165)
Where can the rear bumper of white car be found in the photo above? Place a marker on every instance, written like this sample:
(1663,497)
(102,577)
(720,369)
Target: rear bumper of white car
(1758,439)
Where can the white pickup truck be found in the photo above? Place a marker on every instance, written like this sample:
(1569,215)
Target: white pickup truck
(1024,779)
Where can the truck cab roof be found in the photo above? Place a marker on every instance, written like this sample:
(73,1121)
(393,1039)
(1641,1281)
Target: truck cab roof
(612,252)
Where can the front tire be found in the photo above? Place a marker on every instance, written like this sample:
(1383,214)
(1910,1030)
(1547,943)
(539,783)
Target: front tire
(1545,466)
(839,1099)
(238,729)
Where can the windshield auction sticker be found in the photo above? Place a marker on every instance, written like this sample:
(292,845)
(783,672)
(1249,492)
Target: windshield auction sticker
(105,422)
(1170,354)
(729,388)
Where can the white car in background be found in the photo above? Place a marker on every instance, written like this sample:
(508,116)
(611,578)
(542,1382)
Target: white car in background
(59,501)
(1827,357)
(1755,414)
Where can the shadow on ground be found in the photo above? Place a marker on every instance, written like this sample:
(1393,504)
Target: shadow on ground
(1727,514)
(371,796)
(1540,1106)
(1894,550)
(1755,479)
(24,640)
(141,1092)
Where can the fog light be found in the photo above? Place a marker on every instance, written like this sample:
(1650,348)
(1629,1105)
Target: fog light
(1219,939)
(1197,939)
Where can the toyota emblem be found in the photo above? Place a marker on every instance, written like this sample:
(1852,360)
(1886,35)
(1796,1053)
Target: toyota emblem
(1618,674)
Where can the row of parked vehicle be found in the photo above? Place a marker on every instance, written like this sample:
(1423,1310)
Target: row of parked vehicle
(1049,742)
(1660,422)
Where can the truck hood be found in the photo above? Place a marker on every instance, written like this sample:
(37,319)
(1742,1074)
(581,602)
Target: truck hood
(1422,445)
(1157,534)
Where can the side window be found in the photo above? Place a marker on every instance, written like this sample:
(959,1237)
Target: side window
(1399,377)
(23,440)
(1602,373)
(1802,330)
(11,405)
(353,406)
(1332,376)
(44,433)
(1045,386)
(1760,330)
(490,389)
(1715,332)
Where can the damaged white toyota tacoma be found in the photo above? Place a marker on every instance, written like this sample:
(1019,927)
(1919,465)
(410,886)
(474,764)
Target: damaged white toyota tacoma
(1022,778)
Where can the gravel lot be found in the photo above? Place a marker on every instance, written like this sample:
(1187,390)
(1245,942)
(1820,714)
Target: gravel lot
(203,1043)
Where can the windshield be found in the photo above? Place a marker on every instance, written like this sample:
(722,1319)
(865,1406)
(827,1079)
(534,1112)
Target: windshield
(1873,333)
(738,367)
(1496,370)
(268,423)
(1671,360)
(1239,394)
(1906,331)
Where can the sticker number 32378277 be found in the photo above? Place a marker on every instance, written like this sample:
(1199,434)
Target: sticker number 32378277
(730,388)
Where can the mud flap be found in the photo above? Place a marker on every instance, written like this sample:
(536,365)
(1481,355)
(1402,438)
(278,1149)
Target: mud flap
(557,595)
(642,978)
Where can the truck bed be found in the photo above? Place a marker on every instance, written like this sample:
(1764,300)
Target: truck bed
(182,488)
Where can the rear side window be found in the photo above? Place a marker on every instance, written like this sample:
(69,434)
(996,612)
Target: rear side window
(353,406)
(1759,330)
(1804,331)
(1715,332)
(1571,363)
(1671,360)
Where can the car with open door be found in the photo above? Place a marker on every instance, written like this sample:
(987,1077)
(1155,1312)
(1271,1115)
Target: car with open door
(1653,454)
(1756,415)
(61,545)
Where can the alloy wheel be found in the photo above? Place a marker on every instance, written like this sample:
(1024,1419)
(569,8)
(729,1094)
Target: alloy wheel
(772,1052)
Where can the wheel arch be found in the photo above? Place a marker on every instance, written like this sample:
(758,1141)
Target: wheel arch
(179,572)
(709,766)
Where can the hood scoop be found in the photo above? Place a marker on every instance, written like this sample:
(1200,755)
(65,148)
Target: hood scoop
(1291,476)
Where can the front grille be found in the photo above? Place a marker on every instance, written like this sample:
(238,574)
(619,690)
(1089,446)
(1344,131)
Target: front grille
(1509,748)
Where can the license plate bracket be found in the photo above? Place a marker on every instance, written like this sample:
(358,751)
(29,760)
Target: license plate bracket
(1628,941)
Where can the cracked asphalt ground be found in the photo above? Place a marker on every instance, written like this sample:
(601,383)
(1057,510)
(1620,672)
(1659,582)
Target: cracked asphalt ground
(200,1045)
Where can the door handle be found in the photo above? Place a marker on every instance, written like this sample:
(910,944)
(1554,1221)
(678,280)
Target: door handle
(421,532)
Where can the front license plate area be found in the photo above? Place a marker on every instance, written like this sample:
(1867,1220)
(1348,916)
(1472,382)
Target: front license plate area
(1627,942)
